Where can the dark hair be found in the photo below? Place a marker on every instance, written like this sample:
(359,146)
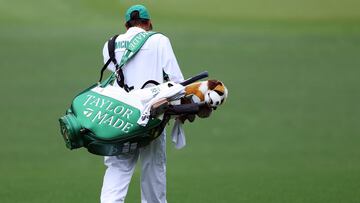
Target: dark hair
(136,20)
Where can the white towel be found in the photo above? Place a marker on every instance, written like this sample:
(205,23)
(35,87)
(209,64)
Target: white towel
(178,135)
(174,90)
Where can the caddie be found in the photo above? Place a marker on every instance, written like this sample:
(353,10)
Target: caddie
(155,59)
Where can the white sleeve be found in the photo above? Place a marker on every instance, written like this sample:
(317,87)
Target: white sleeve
(106,56)
(168,61)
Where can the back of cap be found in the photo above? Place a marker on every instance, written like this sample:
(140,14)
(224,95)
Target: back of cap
(143,12)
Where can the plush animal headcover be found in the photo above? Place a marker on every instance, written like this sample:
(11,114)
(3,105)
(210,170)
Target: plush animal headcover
(212,92)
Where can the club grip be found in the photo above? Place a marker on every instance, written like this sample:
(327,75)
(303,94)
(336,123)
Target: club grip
(183,109)
(195,78)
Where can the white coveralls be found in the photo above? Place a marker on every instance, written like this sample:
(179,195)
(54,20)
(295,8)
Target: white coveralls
(155,56)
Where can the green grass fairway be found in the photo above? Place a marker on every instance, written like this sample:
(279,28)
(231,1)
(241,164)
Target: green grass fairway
(289,132)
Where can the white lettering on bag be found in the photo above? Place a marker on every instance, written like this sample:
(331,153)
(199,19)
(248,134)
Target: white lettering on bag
(127,113)
(119,109)
(99,117)
(88,99)
(111,115)
(127,127)
(103,102)
(117,125)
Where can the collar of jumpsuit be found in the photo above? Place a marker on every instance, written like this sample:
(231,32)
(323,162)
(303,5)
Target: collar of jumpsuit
(134,30)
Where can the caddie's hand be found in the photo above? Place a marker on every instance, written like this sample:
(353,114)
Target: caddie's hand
(204,111)
(189,117)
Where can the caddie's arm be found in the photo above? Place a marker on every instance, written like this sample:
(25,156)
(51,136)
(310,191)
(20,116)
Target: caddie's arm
(172,69)
(168,60)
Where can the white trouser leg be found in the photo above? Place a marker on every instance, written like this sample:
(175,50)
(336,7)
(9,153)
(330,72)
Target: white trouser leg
(117,177)
(153,171)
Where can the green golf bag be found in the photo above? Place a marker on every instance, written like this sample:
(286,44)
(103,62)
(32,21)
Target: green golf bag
(109,121)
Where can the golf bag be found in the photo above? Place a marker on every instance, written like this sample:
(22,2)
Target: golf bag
(109,121)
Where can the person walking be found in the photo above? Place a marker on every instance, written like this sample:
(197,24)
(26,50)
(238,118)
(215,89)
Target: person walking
(155,59)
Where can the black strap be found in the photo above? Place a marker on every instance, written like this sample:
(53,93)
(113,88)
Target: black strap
(121,79)
(111,51)
(149,82)
(103,69)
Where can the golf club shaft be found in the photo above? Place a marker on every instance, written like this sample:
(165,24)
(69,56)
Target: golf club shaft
(195,78)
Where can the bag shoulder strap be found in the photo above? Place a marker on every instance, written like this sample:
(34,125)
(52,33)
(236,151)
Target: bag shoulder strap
(111,51)
(132,48)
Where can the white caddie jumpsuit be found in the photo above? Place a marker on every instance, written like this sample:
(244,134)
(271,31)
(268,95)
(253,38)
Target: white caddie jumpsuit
(155,56)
